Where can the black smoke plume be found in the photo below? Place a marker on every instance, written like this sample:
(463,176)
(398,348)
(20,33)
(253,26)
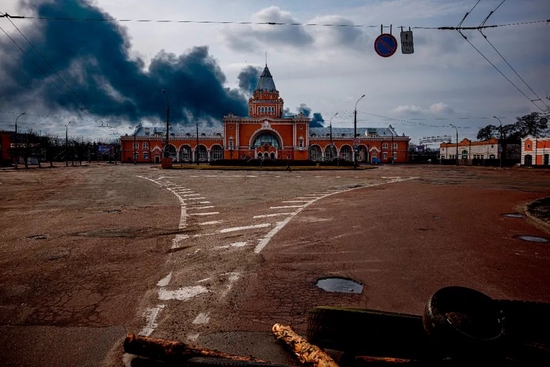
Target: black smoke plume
(304,109)
(248,79)
(93,58)
(317,120)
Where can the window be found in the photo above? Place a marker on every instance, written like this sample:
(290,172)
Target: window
(394,146)
(385,155)
(301,143)
(394,155)
(384,145)
(145,145)
(146,155)
(136,145)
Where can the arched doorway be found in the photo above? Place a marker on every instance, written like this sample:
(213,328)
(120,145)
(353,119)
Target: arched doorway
(216,153)
(345,153)
(172,152)
(528,160)
(330,153)
(363,154)
(201,155)
(185,154)
(315,153)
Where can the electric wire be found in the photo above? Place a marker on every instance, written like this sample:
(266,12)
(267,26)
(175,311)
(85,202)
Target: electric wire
(115,20)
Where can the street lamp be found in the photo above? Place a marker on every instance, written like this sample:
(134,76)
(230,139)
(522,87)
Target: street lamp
(16,146)
(331,144)
(355,133)
(456,128)
(499,141)
(197,146)
(67,144)
(166,154)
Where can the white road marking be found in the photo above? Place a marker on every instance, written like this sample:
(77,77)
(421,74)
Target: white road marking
(193,337)
(204,202)
(234,229)
(295,201)
(201,207)
(151,320)
(204,214)
(236,244)
(176,240)
(195,198)
(201,318)
(285,207)
(165,281)
(211,222)
(264,241)
(270,215)
(183,293)
(188,195)
(231,279)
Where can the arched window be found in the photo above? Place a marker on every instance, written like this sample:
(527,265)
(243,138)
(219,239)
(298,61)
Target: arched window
(266,138)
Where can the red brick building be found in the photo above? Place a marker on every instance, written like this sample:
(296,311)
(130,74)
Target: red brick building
(267,133)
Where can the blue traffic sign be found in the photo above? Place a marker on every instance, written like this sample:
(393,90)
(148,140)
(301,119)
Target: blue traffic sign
(385,45)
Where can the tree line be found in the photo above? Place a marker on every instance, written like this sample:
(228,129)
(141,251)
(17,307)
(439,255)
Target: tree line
(535,124)
(31,147)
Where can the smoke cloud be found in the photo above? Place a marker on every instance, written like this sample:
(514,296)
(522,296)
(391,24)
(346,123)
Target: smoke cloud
(304,109)
(317,120)
(248,79)
(93,58)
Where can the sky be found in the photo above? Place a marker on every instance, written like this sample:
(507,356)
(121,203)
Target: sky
(107,77)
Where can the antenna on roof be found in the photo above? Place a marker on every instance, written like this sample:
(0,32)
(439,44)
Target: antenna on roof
(266,58)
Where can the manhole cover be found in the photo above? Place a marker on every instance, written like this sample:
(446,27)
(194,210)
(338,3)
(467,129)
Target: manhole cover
(340,285)
(512,215)
(537,239)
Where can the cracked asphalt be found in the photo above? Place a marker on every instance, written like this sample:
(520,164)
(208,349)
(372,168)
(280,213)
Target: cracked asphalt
(91,253)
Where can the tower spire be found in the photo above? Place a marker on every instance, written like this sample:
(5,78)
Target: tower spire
(266,58)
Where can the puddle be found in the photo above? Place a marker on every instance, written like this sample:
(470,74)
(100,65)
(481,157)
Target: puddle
(340,285)
(536,239)
(512,215)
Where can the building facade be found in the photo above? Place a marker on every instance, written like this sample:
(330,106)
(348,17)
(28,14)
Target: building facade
(535,151)
(470,151)
(266,133)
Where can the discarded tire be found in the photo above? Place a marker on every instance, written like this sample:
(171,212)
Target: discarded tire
(222,362)
(464,320)
(365,331)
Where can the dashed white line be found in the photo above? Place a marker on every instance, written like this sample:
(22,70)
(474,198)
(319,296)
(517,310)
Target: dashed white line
(182,294)
(204,214)
(270,215)
(195,198)
(285,207)
(211,223)
(201,318)
(151,320)
(295,201)
(165,281)
(234,229)
(201,207)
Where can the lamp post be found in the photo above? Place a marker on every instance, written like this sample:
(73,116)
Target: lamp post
(16,140)
(67,144)
(197,146)
(456,128)
(355,133)
(499,141)
(166,154)
(391,151)
(331,144)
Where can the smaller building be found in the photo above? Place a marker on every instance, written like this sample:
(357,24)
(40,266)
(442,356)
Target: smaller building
(535,151)
(485,152)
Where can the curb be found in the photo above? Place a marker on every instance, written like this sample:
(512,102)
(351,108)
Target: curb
(539,222)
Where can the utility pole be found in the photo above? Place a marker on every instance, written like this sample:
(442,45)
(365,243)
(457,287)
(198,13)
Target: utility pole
(197,147)
(391,132)
(16,140)
(456,128)
(166,154)
(355,133)
(67,144)
(331,144)
(499,142)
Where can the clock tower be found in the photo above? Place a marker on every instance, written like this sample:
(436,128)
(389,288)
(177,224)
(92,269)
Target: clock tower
(266,101)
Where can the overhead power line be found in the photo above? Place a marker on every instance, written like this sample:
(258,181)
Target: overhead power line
(480,28)
(188,21)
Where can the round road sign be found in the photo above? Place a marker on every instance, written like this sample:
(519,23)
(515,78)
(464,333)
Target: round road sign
(385,45)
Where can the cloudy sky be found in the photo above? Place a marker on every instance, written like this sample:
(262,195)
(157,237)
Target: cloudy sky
(322,58)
